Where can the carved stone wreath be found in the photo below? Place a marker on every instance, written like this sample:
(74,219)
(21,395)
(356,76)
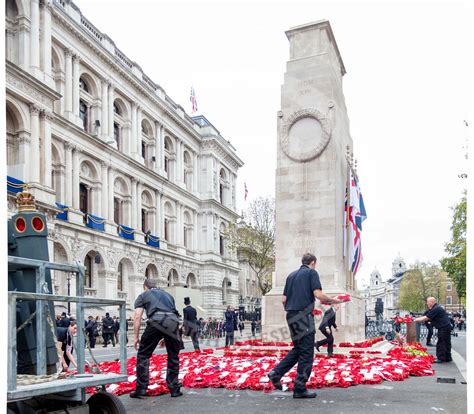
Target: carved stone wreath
(320,143)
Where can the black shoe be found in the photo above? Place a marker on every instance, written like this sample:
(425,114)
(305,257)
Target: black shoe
(429,345)
(316,346)
(438,361)
(138,394)
(275,380)
(104,346)
(306,394)
(176,393)
(330,355)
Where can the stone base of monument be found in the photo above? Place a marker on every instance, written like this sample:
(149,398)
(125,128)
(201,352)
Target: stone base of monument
(349,319)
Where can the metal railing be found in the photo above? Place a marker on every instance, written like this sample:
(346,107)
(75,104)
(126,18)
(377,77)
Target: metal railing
(373,330)
(41,314)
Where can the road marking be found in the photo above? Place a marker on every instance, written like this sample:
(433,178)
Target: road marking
(460,363)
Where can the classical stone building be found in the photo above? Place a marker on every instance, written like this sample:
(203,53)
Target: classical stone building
(132,186)
(388,291)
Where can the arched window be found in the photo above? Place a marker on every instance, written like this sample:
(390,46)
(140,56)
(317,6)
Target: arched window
(83,85)
(120,277)
(222,184)
(222,231)
(117,134)
(167,230)
(84,115)
(117,110)
(83,198)
(173,278)
(88,273)
(188,171)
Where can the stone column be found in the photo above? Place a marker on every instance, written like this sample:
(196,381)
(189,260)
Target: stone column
(23,42)
(179,161)
(195,230)
(162,216)
(196,172)
(75,86)
(162,147)
(105,191)
(134,204)
(111,183)
(46,156)
(68,175)
(157,230)
(68,86)
(138,212)
(133,131)
(34,144)
(24,153)
(105,107)
(110,127)
(35,38)
(46,42)
(157,150)
(75,179)
(138,142)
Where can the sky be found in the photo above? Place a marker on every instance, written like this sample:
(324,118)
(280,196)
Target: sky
(407,89)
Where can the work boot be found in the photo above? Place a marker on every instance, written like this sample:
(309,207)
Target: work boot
(275,380)
(176,392)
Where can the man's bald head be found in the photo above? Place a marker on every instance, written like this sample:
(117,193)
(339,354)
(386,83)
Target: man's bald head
(430,302)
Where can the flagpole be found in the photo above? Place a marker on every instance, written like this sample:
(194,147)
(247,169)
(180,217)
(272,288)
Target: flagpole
(349,156)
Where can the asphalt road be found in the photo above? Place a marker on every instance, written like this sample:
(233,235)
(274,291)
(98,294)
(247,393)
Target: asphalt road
(415,395)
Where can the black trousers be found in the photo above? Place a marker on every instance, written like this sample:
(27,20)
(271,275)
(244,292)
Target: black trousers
(109,337)
(429,326)
(192,331)
(302,334)
(328,340)
(443,346)
(166,327)
(91,339)
(229,338)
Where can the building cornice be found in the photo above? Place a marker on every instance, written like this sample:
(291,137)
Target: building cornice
(21,82)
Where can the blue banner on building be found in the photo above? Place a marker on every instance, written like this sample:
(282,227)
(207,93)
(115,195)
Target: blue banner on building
(94,222)
(126,232)
(64,214)
(152,240)
(14,185)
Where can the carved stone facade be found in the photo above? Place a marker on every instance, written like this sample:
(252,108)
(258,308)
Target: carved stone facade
(86,128)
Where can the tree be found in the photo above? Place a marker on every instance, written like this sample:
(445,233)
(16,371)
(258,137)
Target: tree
(254,240)
(455,263)
(421,281)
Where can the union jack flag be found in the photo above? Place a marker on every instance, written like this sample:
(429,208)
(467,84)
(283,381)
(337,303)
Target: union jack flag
(192,98)
(355,214)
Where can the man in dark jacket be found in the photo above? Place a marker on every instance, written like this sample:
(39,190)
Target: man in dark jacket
(328,322)
(108,330)
(190,324)
(64,321)
(162,325)
(437,315)
(230,321)
(301,288)
(253,326)
(91,330)
(116,328)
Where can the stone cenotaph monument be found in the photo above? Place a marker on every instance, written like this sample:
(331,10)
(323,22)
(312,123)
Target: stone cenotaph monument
(311,179)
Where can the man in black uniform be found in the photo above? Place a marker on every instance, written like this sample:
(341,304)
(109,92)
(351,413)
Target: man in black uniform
(326,325)
(301,287)
(437,315)
(190,323)
(163,323)
(66,345)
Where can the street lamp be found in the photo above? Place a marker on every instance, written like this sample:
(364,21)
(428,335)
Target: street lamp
(68,277)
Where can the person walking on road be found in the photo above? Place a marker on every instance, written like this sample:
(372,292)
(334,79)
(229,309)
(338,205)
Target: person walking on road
(230,321)
(108,330)
(162,324)
(301,288)
(190,324)
(91,330)
(326,325)
(437,315)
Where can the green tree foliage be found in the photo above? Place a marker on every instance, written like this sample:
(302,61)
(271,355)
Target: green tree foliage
(254,240)
(422,280)
(455,263)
